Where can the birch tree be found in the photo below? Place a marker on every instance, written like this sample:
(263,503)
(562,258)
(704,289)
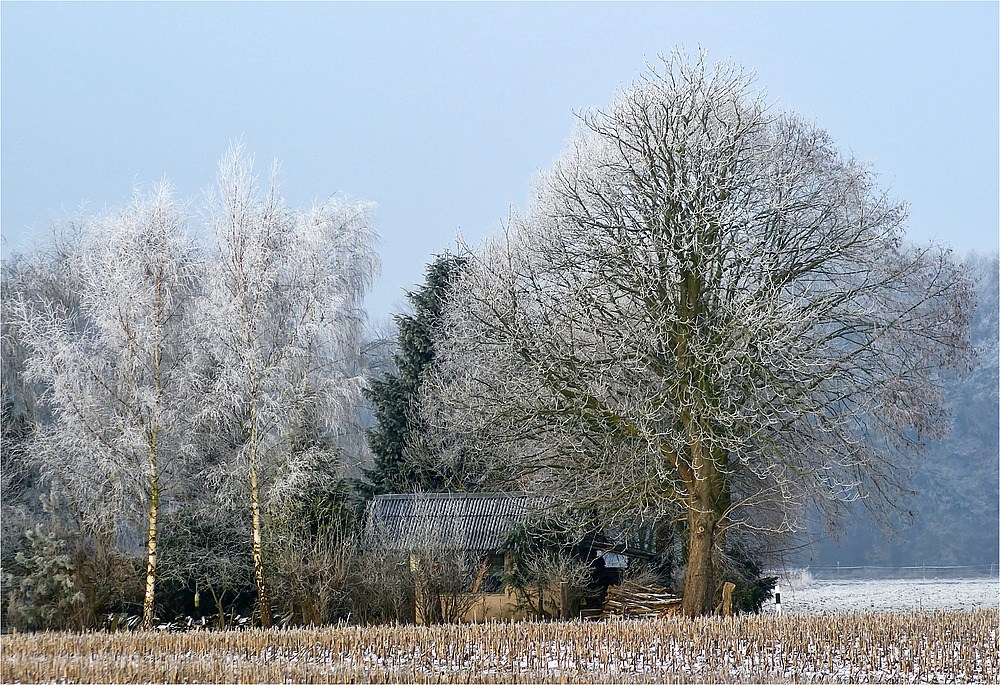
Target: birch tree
(707,312)
(117,372)
(284,324)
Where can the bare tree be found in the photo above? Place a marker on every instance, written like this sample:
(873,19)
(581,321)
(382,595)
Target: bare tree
(205,551)
(549,581)
(117,371)
(707,312)
(284,323)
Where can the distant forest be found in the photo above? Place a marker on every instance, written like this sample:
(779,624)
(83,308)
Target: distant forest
(955,508)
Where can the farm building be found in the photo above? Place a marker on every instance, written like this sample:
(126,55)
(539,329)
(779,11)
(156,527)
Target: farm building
(456,546)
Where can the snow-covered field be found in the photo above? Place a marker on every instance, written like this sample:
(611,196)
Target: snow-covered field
(839,631)
(898,647)
(802,595)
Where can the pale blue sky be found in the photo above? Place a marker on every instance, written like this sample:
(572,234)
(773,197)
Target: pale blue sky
(441,113)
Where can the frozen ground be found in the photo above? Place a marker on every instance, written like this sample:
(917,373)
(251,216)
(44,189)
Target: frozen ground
(837,596)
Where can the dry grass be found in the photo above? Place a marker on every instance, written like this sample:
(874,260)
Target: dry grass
(909,647)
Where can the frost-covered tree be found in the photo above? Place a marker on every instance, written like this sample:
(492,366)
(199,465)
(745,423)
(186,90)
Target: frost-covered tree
(708,312)
(41,279)
(283,325)
(117,372)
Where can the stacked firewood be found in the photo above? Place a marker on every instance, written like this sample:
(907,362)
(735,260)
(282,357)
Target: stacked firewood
(633,599)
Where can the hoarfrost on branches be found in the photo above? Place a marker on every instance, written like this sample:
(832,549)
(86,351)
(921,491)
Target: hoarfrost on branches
(284,331)
(172,374)
(707,312)
(118,372)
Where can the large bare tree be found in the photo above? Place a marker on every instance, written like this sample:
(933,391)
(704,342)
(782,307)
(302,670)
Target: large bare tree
(707,312)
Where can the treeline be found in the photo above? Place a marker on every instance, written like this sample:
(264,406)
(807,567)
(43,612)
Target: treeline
(192,428)
(182,417)
(195,417)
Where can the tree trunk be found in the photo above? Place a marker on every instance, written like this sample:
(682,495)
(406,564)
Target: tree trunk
(154,472)
(701,478)
(727,599)
(699,582)
(263,601)
(147,603)
(707,504)
(258,551)
(217,599)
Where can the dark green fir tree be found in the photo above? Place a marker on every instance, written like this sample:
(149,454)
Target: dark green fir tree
(394,395)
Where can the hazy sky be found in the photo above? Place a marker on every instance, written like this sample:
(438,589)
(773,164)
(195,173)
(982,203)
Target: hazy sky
(441,113)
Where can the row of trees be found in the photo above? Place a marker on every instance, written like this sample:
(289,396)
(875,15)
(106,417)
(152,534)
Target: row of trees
(706,323)
(151,373)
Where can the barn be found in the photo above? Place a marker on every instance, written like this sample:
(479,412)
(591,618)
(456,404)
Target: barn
(456,548)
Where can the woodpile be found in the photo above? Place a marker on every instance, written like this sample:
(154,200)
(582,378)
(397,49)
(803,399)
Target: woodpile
(633,599)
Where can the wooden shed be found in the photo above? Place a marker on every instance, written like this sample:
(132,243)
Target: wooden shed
(472,527)
(462,529)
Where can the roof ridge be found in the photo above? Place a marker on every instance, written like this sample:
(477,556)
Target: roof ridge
(453,495)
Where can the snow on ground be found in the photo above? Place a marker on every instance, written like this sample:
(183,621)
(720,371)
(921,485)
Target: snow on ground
(837,596)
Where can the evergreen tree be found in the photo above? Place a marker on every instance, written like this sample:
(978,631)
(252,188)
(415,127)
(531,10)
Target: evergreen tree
(398,464)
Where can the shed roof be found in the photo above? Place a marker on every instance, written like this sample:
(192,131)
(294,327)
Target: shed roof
(467,521)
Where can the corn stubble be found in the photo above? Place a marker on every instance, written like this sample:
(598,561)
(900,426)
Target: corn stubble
(909,647)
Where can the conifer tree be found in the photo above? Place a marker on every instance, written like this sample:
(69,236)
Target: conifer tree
(398,466)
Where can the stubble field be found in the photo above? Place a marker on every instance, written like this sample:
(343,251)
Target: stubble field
(954,647)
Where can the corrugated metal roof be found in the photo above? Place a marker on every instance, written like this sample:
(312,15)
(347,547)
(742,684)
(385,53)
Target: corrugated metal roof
(467,521)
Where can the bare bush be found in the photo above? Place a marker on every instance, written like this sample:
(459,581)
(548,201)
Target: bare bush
(313,576)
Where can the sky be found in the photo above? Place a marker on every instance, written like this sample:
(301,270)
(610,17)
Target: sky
(442,113)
